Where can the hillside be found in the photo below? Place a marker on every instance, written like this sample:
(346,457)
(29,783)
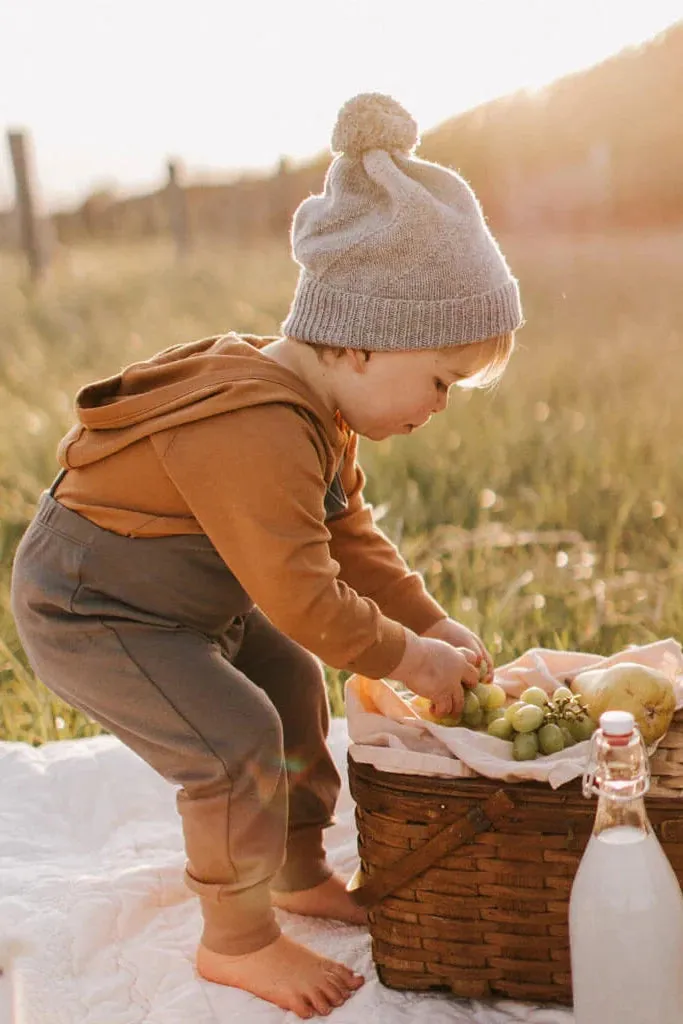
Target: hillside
(597,149)
(600,146)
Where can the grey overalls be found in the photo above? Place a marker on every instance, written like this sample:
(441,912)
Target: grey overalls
(157,640)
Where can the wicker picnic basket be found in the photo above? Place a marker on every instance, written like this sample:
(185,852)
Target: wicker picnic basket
(467,881)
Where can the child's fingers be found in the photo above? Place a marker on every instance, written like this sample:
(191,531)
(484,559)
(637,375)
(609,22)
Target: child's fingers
(474,661)
(447,704)
(473,657)
(470,674)
(488,662)
(441,707)
(475,644)
(470,670)
(482,662)
(483,656)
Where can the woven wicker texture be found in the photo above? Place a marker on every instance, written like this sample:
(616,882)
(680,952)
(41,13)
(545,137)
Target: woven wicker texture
(487,917)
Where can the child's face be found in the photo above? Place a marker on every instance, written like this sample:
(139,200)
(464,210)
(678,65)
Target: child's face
(380,394)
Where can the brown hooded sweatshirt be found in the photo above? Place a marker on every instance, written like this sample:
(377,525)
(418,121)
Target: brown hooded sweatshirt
(216,438)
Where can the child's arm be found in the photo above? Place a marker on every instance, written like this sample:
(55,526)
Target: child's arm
(370,563)
(374,567)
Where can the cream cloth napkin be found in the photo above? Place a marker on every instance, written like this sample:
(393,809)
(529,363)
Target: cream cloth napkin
(386,732)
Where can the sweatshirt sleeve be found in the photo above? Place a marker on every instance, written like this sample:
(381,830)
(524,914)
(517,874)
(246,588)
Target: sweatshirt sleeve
(254,480)
(370,563)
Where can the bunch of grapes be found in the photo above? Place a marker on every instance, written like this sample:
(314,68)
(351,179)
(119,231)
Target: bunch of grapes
(540,724)
(480,703)
(535,724)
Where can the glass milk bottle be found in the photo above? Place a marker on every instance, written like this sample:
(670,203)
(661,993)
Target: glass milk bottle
(626,907)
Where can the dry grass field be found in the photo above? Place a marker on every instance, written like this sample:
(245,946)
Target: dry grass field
(545,513)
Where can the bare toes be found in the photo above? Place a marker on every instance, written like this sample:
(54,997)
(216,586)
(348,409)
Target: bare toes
(302,1008)
(336,993)
(320,1002)
(346,977)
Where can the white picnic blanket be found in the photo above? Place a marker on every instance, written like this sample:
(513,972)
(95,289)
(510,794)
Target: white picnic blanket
(91,886)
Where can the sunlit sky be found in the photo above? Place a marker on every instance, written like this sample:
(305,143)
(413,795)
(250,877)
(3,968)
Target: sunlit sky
(110,88)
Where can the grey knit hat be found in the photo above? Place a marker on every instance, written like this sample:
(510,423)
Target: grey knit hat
(395,253)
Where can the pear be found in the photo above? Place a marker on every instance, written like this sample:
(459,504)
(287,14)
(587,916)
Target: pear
(423,707)
(628,686)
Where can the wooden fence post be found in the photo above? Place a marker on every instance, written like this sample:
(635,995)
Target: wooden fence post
(26,203)
(177,209)
(280,199)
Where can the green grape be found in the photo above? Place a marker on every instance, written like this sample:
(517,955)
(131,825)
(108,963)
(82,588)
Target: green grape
(525,746)
(497,696)
(509,711)
(527,718)
(470,703)
(569,740)
(481,692)
(501,729)
(562,693)
(493,713)
(550,739)
(473,719)
(535,695)
(581,728)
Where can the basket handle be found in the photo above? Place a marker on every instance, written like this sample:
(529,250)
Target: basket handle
(480,818)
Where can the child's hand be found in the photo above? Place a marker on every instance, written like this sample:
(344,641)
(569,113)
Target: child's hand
(437,671)
(457,635)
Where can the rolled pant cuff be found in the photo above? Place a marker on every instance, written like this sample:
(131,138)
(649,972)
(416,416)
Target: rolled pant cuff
(305,865)
(235,922)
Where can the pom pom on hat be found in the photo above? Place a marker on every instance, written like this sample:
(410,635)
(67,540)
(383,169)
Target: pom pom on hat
(373,121)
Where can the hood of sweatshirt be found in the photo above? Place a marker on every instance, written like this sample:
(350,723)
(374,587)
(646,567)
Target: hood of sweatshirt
(183,384)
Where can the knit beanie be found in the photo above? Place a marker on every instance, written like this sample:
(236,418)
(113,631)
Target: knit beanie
(395,253)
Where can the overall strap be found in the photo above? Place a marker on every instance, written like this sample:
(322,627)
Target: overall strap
(56,482)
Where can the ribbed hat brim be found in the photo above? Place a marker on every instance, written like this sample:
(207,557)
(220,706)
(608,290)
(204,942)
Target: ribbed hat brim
(325,315)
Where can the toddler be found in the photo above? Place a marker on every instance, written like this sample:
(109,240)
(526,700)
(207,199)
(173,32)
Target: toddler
(206,544)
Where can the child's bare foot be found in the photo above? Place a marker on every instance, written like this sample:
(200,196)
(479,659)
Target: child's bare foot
(285,973)
(329,899)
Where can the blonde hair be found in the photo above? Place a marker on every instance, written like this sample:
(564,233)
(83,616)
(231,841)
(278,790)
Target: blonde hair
(487,377)
(320,348)
(490,374)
